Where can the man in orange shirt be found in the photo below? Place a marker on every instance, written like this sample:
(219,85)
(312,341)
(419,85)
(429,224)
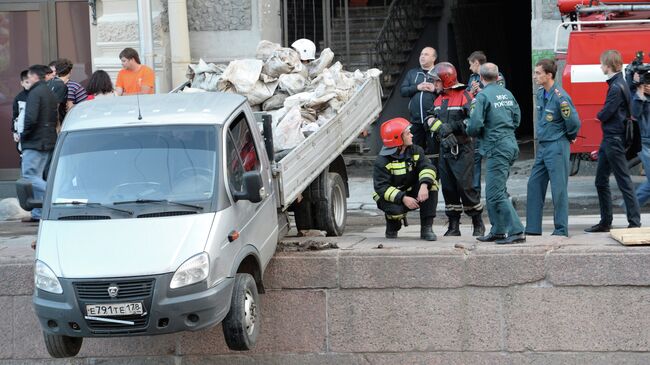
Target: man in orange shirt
(134,78)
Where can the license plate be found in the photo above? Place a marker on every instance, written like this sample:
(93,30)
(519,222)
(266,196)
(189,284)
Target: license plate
(120,309)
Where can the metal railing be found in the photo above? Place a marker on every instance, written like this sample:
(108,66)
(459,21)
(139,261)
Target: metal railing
(388,50)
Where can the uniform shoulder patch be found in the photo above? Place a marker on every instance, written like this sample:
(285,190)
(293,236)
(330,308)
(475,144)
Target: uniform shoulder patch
(565,108)
(557,92)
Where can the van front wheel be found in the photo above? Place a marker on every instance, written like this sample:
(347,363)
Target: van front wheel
(242,323)
(62,346)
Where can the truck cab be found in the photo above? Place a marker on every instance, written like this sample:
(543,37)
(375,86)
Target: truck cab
(159,216)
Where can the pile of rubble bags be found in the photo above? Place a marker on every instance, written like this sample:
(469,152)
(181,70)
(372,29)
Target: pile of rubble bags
(300,97)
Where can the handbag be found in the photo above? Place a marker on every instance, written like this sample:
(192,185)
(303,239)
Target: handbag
(632,131)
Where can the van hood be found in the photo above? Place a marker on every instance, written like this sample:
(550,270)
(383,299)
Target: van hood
(122,247)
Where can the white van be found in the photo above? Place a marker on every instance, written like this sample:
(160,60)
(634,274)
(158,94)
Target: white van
(162,212)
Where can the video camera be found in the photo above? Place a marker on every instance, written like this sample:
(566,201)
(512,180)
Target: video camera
(637,66)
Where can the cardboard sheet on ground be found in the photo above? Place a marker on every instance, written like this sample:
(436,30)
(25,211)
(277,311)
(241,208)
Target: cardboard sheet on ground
(631,236)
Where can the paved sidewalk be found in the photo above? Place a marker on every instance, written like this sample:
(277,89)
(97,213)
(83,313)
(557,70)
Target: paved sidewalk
(583,198)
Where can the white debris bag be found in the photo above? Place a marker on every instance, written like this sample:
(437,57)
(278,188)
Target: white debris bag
(324,61)
(287,133)
(282,61)
(292,83)
(205,76)
(242,75)
(261,92)
(275,102)
(265,50)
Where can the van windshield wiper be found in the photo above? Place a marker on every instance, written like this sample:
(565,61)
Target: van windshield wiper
(87,204)
(145,201)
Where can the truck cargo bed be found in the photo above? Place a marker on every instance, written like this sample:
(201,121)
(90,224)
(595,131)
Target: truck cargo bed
(304,163)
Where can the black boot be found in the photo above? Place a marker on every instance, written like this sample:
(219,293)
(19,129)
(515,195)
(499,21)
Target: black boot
(426,230)
(392,226)
(454,227)
(479,227)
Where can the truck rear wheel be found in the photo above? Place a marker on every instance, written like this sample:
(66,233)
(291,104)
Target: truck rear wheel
(331,207)
(62,346)
(242,323)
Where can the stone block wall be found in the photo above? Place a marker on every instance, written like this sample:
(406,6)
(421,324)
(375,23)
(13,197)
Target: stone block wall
(551,301)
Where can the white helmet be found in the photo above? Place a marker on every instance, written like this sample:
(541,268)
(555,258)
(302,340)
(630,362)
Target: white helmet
(306,49)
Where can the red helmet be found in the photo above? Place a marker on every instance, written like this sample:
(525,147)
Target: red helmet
(391,132)
(447,74)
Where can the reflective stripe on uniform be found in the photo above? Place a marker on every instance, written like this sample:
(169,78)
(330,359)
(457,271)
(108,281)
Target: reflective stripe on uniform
(416,157)
(391,194)
(395,217)
(375,196)
(453,207)
(396,167)
(427,174)
(478,206)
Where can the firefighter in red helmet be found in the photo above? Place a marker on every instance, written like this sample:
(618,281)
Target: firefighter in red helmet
(456,164)
(404,179)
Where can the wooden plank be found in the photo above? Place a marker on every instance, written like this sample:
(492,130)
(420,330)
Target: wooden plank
(632,236)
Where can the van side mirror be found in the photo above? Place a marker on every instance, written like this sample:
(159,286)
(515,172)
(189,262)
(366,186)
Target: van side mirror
(25,194)
(253,188)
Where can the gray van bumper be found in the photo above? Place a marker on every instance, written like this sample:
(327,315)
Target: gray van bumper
(167,311)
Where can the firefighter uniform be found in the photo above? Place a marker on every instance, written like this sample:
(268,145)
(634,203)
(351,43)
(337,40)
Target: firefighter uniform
(557,125)
(494,116)
(396,175)
(456,166)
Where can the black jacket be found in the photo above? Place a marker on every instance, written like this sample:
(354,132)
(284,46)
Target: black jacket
(421,101)
(40,119)
(616,108)
(395,174)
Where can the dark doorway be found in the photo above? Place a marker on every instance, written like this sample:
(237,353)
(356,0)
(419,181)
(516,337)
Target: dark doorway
(501,29)
(33,32)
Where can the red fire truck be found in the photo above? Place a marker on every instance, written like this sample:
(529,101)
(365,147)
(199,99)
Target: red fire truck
(594,27)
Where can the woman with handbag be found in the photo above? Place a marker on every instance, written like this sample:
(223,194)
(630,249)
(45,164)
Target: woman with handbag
(611,155)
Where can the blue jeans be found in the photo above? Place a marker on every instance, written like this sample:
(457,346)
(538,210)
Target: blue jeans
(643,191)
(32,165)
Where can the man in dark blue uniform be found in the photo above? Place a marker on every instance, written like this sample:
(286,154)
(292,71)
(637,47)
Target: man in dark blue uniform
(557,125)
(419,86)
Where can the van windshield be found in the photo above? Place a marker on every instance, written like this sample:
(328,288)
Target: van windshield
(102,167)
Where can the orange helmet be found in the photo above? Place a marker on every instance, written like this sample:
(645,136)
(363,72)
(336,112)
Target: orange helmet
(392,130)
(447,74)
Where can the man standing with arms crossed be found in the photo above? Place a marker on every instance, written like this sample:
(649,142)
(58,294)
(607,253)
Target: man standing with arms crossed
(418,86)
(494,116)
(557,125)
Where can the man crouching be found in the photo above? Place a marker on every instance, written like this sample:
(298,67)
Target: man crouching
(404,179)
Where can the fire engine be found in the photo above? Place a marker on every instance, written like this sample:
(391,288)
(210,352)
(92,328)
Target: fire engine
(594,27)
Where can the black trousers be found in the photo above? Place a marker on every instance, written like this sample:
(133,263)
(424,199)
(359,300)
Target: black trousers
(611,159)
(396,211)
(457,177)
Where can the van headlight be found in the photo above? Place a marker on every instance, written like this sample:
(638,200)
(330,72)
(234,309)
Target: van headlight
(195,269)
(45,279)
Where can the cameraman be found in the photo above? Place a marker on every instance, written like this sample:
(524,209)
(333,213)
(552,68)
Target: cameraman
(641,111)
